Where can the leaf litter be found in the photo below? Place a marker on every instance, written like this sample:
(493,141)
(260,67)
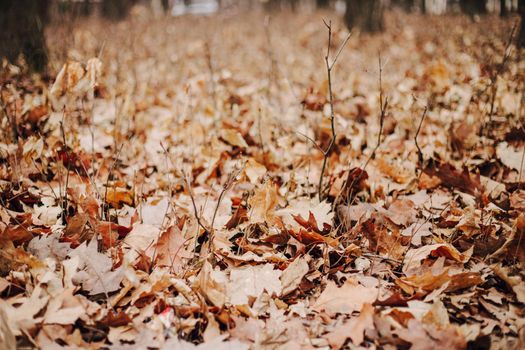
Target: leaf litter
(154,200)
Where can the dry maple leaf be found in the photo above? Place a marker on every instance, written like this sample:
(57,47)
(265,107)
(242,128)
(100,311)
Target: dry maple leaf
(218,343)
(453,178)
(7,338)
(263,203)
(353,328)
(95,269)
(64,309)
(154,211)
(171,249)
(350,297)
(401,212)
(142,238)
(293,274)
(234,138)
(212,283)
(49,246)
(251,282)
(116,197)
(510,156)
(318,215)
(24,317)
(254,171)
(417,231)
(424,337)
(414,257)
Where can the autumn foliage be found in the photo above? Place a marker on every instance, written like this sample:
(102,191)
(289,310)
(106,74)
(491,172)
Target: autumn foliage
(160,189)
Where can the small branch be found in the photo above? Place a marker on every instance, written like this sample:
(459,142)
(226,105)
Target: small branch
(272,73)
(329,67)
(419,153)
(10,121)
(212,75)
(340,49)
(66,152)
(261,141)
(494,81)
(105,208)
(227,185)
(521,168)
(311,140)
(383,107)
(195,211)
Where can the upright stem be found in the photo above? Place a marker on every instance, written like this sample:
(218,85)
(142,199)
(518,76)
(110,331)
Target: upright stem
(329,67)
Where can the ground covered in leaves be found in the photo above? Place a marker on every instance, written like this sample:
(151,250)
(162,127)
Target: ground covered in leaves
(161,189)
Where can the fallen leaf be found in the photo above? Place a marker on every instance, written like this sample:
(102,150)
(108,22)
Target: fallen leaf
(350,297)
(263,203)
(254,170)
(293,274)
(353,328)
(414,257)
(95,269)
(234,138)
(510,156)
(251,282)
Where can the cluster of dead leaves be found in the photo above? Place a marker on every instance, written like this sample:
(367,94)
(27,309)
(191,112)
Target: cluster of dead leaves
(167,197)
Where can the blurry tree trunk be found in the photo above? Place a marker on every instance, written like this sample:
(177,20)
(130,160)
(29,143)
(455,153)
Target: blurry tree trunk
(473,7)
(521,11)
(116,9)
(165,5)
(406,5)
(503,11)
(322,3)
(364,14)
(73,9)
(22,31)
(85,8)
(423,6)
(272,5)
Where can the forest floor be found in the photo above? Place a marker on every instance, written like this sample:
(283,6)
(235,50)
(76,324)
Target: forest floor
(161,189)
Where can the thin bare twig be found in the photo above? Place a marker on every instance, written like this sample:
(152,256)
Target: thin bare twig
(227,185)
(195,211)
(10,121)
(212,75)
(383,107)
(419,152)
(494,79)
(272,73)
(521,168)
(105,203)
(66,154)
(329,68)
(311,140)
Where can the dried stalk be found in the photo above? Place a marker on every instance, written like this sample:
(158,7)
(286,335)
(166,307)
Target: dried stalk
(419,152)
(329,67)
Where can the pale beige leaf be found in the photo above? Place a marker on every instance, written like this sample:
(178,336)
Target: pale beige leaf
(350,297)
(263,203)
(234,138)
(353,328)
(254,170)
(510,156)
(252,281)
(294,273)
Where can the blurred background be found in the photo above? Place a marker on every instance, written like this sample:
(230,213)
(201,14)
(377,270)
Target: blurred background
(23,23)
